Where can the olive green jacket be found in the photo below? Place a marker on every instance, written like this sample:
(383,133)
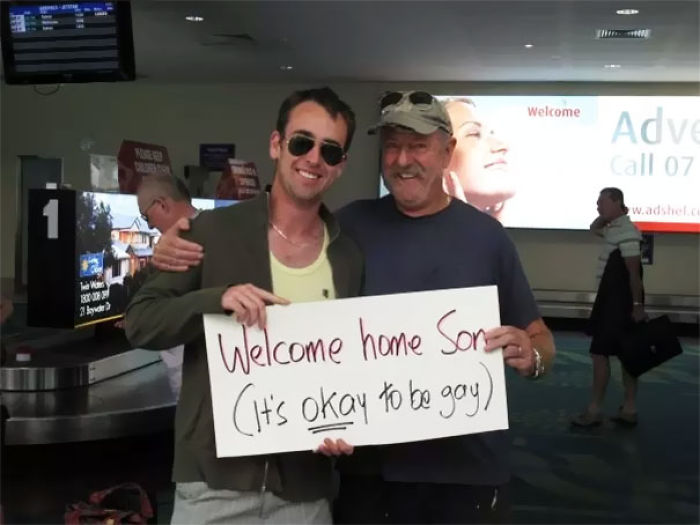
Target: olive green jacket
(167,311)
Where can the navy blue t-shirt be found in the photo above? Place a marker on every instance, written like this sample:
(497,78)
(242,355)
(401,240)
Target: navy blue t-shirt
(454,248)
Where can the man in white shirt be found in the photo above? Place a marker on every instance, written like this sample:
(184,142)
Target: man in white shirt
(619,302)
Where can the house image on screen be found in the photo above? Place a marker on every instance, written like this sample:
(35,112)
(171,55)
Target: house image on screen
(132,247)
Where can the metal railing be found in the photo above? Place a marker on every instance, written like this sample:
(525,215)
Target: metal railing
(578,305)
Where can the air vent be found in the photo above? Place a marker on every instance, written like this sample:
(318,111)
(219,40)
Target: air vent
(229,39)
(623,33)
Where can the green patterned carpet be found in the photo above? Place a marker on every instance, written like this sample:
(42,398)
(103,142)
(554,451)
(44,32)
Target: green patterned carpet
(648,474)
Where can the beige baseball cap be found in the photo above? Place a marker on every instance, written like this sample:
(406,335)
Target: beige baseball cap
(418,111)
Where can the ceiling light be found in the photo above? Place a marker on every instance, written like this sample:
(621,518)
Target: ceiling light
(612,66)
(627,11)
(528,46)
(286,67)
(194,18)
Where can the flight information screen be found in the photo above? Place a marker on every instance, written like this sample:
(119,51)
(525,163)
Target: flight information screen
(64,37)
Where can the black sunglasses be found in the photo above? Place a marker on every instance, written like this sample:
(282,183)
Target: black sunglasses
(416,97)
(299,145)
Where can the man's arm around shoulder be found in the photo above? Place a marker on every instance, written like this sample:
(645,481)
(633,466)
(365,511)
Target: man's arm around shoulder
(167,310)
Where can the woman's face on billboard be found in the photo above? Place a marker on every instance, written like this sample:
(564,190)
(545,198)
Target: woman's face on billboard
(480,159)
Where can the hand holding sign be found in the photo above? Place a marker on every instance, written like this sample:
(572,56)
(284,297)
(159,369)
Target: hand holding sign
(517,348)
(346,370)
(337,447)
(248,302)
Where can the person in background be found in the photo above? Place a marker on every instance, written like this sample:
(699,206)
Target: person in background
(479,172)
(278,247)
(619,302)
(162,200)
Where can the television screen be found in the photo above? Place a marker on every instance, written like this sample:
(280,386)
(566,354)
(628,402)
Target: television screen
(541,161)
(60,42)
(114,245)
(89,253)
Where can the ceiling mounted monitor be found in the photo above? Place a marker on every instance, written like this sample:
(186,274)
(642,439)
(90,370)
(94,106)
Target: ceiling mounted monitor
(61,42)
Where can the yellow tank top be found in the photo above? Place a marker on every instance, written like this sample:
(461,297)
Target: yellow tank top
(310,283)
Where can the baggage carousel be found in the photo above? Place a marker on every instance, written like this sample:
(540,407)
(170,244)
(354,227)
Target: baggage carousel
(80,385)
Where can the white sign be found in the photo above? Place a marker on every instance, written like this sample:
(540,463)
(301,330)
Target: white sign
(371,370)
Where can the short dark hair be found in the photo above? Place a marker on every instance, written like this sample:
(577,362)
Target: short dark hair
(616,195)
(325,97)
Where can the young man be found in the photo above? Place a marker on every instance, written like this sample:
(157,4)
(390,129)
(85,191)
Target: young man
(252,249)
(618,303)
(418,238)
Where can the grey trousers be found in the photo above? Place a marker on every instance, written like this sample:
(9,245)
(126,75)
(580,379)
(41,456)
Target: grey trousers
(196,503)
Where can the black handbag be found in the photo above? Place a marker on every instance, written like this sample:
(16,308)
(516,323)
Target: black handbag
(648,344)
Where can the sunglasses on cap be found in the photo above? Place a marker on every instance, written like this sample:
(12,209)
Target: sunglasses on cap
(331,153)
(415,97)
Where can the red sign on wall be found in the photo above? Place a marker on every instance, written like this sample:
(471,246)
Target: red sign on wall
(139,159)
(239,181)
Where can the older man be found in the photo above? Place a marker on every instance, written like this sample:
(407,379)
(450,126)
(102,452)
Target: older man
(618,304)
(162,200)
(417,238)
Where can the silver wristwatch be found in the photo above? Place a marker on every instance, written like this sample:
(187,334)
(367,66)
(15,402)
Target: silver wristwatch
(539,365)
